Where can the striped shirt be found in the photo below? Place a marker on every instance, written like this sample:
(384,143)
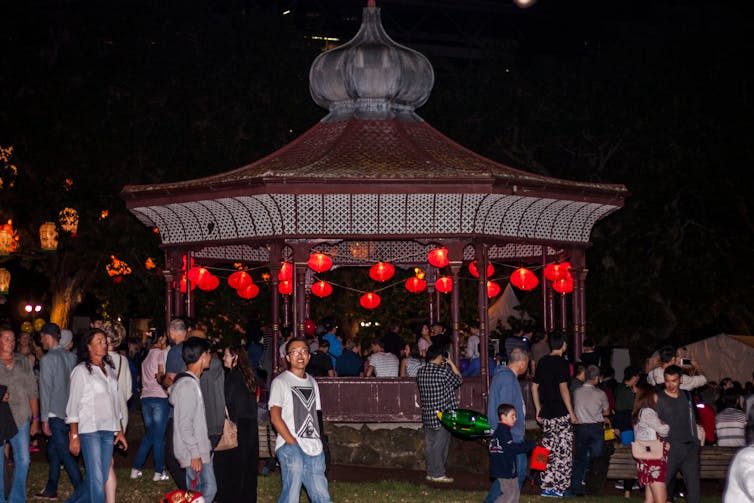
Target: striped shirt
(730,426)
(385,364)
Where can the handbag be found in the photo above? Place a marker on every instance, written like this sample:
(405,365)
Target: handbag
(647,449)
(229,439)
(539,457)
(609,432)
(187,496)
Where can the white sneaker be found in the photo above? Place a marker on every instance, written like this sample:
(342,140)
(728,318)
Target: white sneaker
(135,474)
(443,479)
(160,477)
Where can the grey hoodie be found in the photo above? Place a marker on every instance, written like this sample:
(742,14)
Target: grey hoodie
(190,438)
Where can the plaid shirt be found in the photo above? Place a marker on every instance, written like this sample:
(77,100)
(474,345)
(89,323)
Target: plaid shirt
(437,391)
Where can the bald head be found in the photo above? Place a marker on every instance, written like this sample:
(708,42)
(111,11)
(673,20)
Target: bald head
(518,361)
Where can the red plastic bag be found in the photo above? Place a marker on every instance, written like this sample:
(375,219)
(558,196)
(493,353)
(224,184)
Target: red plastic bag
(539,458)
(187,496)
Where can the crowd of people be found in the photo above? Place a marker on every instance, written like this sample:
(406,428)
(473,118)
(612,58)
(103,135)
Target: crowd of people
(669,403)
(77,394)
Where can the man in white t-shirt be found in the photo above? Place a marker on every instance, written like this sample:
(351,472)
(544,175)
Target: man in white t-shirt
(294,402)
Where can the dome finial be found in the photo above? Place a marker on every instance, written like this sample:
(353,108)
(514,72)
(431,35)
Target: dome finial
(371,76)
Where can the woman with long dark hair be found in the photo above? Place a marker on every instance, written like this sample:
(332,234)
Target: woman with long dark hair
(236,469)
(647,426)
(93,414)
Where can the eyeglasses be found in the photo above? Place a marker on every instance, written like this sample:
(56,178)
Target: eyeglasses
(302,352)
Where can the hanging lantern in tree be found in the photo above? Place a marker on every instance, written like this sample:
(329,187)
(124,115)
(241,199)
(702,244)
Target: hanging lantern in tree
(285,287)
(69,220)
(475,272)
(369,300)
(439,257)
(321,289)
(249,291)
(4,281)
(493,289)
(415,285)
(239,280)
(209,283)
(381,271)
(286,271)
(118,267)
(319,262)
(38,324)
(48,237)
(8,239)
(27,327)
(554,272)
(444,284)
(563,285)
(524,279)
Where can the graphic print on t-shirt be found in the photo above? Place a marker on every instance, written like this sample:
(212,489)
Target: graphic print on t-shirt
(305,412)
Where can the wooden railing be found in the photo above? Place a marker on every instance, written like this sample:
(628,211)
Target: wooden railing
(386,399)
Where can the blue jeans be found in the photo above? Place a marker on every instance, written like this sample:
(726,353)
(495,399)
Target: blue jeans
(522,469)
(207,485)
(58,452)
(587,446)
(21,462)
(297,468)
(97,450)
(155,412)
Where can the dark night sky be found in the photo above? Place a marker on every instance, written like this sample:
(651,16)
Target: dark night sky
(159,91)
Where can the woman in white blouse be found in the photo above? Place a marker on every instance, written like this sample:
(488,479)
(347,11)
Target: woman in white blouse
(94,415)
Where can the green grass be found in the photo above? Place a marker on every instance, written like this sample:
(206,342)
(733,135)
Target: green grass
(146,491)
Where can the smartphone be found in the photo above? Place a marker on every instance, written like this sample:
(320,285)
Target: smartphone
(685,362)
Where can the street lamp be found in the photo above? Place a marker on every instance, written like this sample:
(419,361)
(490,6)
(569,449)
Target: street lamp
(32,308)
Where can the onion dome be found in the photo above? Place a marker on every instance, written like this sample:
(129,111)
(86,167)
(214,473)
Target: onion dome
(371,76)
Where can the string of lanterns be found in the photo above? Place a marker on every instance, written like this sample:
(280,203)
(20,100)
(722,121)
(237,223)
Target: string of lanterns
(523,278)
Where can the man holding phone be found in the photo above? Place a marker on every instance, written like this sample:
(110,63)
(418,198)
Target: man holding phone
(692,378)
(438,381)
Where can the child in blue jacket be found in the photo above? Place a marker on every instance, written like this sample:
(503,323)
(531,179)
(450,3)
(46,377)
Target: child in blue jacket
(503,451)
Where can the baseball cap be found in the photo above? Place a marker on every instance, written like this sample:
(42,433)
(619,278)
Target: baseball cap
(50,328)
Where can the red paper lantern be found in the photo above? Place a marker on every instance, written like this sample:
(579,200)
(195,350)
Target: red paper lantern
(198,275)
(319,262)
(369,300)
(285,287)
(182,284)
(524,279)
(209,283)
(286,271)
(321,289)
(381,271)
(239,280)
(493,289)
(475,272)
(439,257)
(444,284)
(563,285)
(309,327)
(249,291)
(554,272)
(415,285)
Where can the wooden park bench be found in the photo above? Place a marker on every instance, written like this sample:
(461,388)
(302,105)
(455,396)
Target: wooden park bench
(267,438)
(714,462)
